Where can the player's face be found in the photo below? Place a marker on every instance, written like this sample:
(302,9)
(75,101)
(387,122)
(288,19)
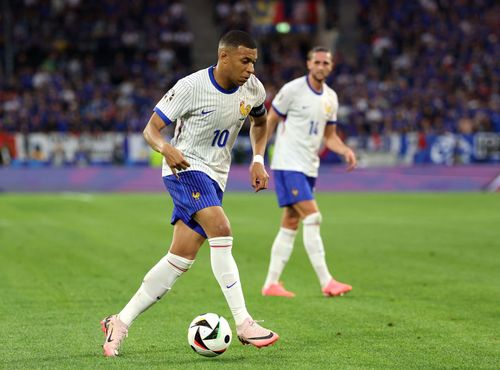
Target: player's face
(241,63)
(320,65)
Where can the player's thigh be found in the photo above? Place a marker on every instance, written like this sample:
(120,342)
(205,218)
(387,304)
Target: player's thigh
(306,207)
(214,221)
(290,218)
(186,242)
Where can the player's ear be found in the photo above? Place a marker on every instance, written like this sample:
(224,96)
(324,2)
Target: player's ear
(224,56)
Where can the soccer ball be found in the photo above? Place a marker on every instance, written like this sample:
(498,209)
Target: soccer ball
(209,335)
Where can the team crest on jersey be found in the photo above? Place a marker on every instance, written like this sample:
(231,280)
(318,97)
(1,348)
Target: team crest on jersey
(295,192)
(244,110)
(196,195)
(169,95)
(328,108)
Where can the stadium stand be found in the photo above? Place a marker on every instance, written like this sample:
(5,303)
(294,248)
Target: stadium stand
(86,67)
(91,65)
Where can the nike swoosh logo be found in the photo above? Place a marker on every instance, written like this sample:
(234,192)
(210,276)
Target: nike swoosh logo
(265,337)
(204,112)
(109,336)
(229,286)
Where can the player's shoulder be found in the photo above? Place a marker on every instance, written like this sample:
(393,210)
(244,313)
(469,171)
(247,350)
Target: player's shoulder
(253,83)
(296,83)
(194,78)
(330,93)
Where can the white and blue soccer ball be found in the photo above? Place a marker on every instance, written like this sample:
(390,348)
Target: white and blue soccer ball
(209,335)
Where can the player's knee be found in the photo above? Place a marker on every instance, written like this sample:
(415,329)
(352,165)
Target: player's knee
(291,219)
(222,229)
(313,219)
(291,223)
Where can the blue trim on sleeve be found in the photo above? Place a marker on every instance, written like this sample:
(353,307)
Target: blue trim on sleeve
(314,91)
(331,122)
(217,86)
(162,116)
(277,111)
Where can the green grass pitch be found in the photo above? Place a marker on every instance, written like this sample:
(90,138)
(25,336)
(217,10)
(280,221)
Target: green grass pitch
(425,270)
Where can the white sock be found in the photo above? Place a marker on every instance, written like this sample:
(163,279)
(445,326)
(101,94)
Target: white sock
(314,247)
(280,254)
(227,275)
(157,282)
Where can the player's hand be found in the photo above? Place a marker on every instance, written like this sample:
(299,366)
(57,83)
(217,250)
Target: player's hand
(258,176)
(175,159)
(350,159)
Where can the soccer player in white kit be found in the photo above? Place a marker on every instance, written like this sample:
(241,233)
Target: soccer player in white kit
(210,106)
(305,111)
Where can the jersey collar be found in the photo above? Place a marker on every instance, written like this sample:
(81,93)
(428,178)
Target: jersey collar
(217,86)
(312,89)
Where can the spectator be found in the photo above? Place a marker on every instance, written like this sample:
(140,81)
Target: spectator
(78,62)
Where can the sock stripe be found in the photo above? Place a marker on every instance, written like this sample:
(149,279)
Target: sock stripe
(177,267)
(220,246)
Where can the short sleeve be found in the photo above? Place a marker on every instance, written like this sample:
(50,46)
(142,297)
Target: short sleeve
(259,109)
(261,94)
(174,103)
(332,114)
(282,101)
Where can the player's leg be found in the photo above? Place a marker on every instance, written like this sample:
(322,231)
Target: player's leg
(157,282)
(291,187)
(214,222)
(313,243)
(160,279)
(280,254)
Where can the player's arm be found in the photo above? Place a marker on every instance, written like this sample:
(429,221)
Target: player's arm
(258,138)
(153,136)
(272,122)
(335,144)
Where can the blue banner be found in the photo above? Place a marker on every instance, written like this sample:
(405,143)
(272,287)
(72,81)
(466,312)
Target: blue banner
(452,149)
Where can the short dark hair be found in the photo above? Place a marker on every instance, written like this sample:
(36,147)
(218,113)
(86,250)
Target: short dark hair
(318,49)
(236,38)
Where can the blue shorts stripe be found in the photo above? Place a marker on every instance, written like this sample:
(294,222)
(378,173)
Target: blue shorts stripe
(293,187)
(191,192)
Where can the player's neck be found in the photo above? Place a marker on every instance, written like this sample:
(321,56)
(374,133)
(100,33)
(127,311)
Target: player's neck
(315,84)
(222,81)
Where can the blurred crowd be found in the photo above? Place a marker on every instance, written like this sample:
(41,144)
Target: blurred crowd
(427,66)
(92,65)
(88,65)
(420,66)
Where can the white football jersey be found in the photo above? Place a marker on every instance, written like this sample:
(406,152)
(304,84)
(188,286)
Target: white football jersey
(305,115)
(209,119)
